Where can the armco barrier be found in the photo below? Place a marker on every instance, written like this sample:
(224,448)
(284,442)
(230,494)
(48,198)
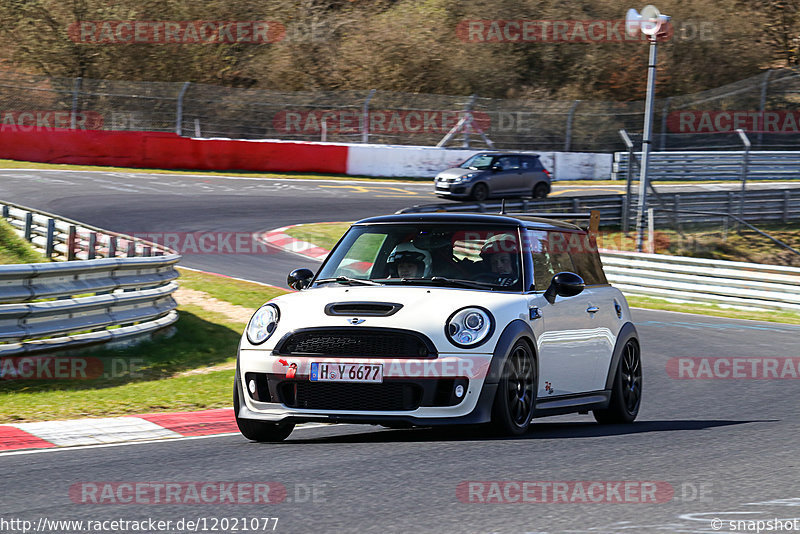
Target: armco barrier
(760,206)
(132,294)
(701,280)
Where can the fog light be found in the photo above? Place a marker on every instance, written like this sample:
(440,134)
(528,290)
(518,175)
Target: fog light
(459,391)
(251,386)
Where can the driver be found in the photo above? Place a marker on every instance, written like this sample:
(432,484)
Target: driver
(501,253)
(407,261)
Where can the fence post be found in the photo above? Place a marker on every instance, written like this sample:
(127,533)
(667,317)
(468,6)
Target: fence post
(112,246)
(73,121)
(92,252)
(762,106)
(28,226)
(570,117)
(179,117)
(785,214)
(5,211)
(365,118)
(468,114)
(51,235)
(72,238)
(745,158)
(131,249)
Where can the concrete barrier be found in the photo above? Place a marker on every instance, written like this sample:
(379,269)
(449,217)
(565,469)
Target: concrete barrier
(161,150)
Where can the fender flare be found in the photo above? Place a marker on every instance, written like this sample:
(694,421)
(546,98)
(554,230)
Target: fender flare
(626,333)
(512,333)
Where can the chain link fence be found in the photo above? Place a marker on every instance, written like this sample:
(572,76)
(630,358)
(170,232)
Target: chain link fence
(762,105)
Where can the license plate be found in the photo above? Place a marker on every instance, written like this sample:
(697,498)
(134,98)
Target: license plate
(346,372)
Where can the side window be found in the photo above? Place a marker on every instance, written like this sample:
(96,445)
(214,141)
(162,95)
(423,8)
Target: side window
(531,163)
(586,260)
(548,255)
(508,162)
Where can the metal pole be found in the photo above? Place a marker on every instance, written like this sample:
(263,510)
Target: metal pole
(764,88)
(745,161)
(570,117)
(626,202)
(648,133)
(468,122)
(73,121)
(179,118)
(365,118)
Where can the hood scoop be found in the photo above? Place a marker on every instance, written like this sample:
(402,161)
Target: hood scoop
(365,309)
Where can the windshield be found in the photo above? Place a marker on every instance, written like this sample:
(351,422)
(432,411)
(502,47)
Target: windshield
(474,256)
(478,162)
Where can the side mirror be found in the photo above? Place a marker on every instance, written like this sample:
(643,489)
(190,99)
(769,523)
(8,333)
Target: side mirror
(299,279)
(564,284)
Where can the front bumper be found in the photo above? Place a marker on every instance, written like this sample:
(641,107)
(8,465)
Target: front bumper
(415,391)
(449,189)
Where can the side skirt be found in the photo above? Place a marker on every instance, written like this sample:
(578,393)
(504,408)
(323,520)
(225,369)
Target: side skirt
(581,402)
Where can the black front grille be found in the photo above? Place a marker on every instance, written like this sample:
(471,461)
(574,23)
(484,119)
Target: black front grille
(358,342)
(389,396)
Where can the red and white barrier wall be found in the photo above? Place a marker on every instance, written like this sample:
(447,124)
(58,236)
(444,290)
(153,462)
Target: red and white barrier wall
(169,151)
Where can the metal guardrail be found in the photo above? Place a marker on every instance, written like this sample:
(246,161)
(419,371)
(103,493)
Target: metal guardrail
(771,205)
(771,287)
(54,306)
(713,165)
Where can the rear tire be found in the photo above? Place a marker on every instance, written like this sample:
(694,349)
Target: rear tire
(626,393)
(512,410)
(541,190)
(258,430)
(480,192)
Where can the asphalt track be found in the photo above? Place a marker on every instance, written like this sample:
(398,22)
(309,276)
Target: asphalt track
(723,448)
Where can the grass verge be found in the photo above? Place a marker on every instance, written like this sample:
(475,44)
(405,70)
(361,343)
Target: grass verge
(151,376)
(14,249)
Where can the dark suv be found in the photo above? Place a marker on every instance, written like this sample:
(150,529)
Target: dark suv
(495,174)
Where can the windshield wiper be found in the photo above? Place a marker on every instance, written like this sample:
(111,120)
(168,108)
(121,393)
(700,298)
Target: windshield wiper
(347,280)
(442,280)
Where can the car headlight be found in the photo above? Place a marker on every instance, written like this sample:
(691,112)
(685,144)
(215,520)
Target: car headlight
(464,178)
(469,327)
(263,323)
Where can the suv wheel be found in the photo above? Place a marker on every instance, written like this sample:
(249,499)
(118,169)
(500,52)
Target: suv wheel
(626,393)
(541,190)
(513,404)
(480,192)
(258,430)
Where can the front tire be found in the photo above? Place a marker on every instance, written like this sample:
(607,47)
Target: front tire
(480,192)
(626,393)
(260,431)
(516,393)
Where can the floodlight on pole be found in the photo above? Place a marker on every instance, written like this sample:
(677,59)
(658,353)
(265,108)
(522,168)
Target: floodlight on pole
(649,22)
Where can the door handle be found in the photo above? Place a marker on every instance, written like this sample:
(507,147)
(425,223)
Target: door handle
(592,309)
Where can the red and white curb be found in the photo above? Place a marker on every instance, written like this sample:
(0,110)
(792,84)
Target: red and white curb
(280,239)
(51,434)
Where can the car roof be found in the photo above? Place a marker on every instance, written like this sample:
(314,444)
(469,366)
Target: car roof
(514,220)
(505,153)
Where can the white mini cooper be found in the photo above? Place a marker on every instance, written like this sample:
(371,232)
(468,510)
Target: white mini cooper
(443,318)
